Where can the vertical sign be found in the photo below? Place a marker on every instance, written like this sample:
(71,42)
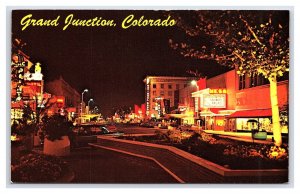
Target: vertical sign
(147,96)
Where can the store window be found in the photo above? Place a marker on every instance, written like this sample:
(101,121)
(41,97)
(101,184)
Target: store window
(261,124)
(253,81)
(243,124)
(242,82)
(258,80)
(261,80)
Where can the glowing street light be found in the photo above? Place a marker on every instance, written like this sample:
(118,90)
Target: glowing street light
(90,100)
(84,91)
(194,83)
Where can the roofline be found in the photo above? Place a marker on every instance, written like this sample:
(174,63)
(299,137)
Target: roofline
(170,77)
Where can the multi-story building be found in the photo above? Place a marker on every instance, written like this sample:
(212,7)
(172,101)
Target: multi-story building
(160,95)
(69,97)
(27,85)
(230,101)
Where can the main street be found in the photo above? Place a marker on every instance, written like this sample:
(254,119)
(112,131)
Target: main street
(135,129)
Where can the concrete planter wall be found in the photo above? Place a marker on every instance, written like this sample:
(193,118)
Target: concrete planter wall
(57,147)
(37,140)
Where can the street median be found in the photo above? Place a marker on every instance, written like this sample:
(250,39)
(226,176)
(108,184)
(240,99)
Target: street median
(225,172)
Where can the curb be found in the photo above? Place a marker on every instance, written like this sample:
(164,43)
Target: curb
(205,163)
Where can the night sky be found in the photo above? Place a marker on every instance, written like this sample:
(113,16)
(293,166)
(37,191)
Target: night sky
(110,61)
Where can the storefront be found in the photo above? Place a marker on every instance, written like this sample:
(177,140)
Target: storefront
(246,120)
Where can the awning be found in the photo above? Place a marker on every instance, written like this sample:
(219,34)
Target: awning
(251,113)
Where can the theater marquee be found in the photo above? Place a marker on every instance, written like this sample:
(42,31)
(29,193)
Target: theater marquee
(214,101)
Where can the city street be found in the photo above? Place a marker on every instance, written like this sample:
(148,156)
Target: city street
(134,129)
(183,96)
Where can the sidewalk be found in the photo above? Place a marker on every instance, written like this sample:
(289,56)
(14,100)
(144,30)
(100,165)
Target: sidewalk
(240,136)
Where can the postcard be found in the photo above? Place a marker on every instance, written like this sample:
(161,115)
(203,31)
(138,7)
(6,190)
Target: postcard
(149,96)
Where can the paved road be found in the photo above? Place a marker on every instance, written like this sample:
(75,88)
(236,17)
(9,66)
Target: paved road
(105,166)
(131,129)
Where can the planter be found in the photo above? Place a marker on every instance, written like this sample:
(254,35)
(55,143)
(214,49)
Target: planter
(37,140)
(28,142)
(58,147)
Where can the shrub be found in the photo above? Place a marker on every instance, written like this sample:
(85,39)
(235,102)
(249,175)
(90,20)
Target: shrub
(208,138)
(277,153)
(161,135)
(257,150)
(56,126)
(38,168)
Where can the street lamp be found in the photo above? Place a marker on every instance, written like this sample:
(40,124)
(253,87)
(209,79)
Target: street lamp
(194,83)
(90,100)
(84,91)
(96,109)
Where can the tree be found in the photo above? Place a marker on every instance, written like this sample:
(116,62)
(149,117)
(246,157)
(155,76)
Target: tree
(252,42)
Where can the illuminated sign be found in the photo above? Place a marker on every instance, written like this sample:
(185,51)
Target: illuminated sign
(218,91)
(147,97)
(33,76)
(214,101)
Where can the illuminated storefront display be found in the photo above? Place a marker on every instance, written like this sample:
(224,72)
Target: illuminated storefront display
(263,124)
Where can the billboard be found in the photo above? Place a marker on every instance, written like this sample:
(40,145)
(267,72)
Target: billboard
(214,101)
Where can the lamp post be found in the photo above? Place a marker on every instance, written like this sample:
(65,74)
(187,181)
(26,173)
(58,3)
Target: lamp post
(96,109)
(84,91)
(194,83)
(90,100)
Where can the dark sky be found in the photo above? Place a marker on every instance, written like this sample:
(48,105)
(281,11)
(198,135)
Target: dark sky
(110,61)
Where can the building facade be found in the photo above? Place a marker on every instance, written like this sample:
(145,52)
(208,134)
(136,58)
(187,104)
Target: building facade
(160,95)
(230,102)
(67,97)
(27,85)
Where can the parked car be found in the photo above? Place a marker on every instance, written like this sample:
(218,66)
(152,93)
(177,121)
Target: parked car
(111,127)
(147,124)
(90,130)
